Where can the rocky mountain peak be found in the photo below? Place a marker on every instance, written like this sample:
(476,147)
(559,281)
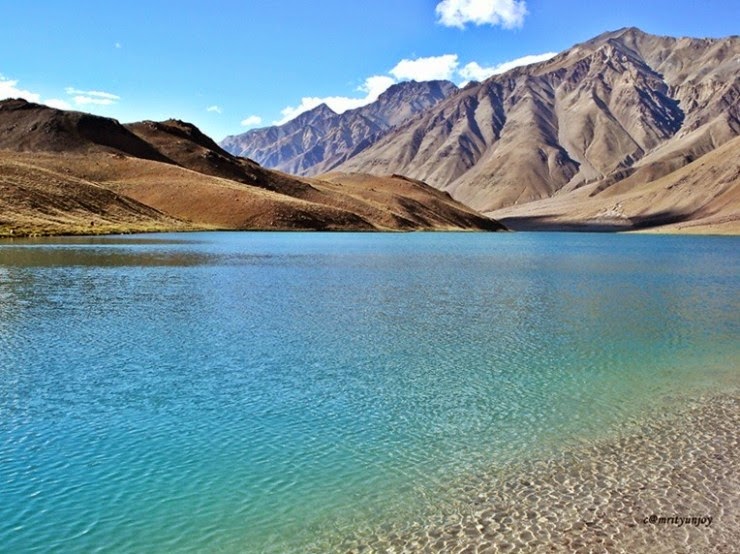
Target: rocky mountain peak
(319,113)
(320,139)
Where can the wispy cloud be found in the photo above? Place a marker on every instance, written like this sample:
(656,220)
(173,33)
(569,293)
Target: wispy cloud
(118,45)
(475,72)
(426,69)
(94,97)
(9,89)
(94,93)
(251,121)
(214,109)
(457,13)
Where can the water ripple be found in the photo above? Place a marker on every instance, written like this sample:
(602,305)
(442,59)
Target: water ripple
(254,392)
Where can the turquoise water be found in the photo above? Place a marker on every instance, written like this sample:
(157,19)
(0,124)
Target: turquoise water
(277,392)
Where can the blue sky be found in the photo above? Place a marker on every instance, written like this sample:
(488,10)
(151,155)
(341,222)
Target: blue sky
(228,66)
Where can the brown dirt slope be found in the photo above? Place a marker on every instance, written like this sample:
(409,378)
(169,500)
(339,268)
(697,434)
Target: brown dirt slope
(39,201)
(406,203)
(185,145)
(181,180)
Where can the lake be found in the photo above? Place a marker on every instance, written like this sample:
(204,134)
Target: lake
(280,392)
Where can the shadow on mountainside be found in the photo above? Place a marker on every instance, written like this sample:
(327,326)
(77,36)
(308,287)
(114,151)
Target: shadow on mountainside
(554,222)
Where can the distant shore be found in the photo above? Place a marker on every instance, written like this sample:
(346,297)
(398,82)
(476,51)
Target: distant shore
(103,230)
(668,486)
(728,227)
(105,233)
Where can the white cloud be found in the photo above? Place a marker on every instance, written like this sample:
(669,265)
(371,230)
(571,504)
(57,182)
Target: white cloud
(431,68)
(251,121)
(291,112)
(506,13)
(94,97)
(214,109)
(92,93)
(373,87)
(87,100)
(475,72)
(58,104)
(426,69)
(9,89)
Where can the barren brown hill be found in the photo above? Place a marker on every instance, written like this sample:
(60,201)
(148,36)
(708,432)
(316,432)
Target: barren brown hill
(184,144)
(29,127)
(399,202)
(184,180)
(625,104)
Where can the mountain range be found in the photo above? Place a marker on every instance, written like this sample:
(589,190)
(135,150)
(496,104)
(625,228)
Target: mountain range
(319,140)
(66,172)
(608,134)
(626,131)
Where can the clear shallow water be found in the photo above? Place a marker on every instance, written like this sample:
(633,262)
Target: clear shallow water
(271,392)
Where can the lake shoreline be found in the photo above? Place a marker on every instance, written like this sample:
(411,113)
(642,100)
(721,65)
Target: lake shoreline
(688,231)
(667,486)
(195,229)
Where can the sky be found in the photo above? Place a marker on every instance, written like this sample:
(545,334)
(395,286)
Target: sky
(229,66)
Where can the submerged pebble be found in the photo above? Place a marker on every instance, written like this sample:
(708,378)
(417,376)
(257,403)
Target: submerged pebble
(601,498)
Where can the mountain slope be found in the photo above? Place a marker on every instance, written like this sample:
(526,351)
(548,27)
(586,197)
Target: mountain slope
(318,140)
(58,175)
(702,196)
(39,200)
(185,145)
(623,104)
